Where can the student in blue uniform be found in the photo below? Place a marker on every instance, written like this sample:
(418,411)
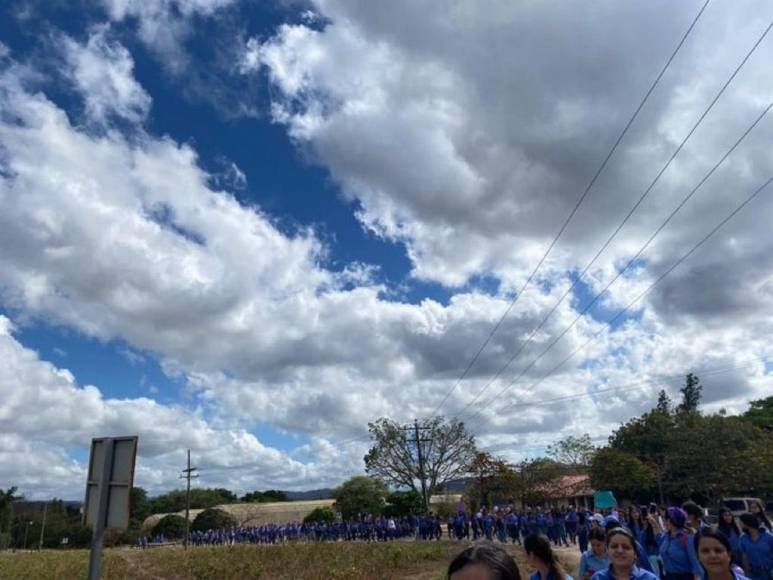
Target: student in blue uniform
(758,510)
(484,561)
(648,539)
(714,553)
(611,523)
(694,516)
(583,528)
(572,518)
(542,559)
(728,526)
(757,548)
(676,546)
(595,559)
(623,555)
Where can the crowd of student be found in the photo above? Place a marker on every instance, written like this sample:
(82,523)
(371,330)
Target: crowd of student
(641,544)
(674,543)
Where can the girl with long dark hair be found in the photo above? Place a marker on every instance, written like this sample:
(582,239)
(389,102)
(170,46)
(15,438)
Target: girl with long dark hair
(729,528)
(543,560)
(758,510)
(484,561)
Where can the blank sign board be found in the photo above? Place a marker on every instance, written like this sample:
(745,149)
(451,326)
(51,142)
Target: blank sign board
(111,465)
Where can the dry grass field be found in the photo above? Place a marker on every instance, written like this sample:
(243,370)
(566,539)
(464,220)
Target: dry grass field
(339,561)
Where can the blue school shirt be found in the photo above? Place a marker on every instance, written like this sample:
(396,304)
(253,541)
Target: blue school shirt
(637,574)
(759,554)
(737,573)
(536,576)
(678,553)
(591,562)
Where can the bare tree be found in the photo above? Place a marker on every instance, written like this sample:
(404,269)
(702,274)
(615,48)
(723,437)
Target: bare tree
(446,449)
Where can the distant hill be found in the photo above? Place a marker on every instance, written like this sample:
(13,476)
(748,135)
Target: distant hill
(314,494)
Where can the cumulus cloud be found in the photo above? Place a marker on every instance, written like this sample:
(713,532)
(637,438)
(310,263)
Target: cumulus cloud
(46,414)
(468,152)
(164,25)
(103,74)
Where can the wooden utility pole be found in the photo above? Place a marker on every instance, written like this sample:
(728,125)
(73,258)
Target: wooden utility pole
(43,527)
(188,475)
(420,454)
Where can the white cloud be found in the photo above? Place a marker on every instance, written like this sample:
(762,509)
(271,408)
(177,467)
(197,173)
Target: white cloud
(164,25)
(468,133)
(45,415)
(128,238)
(103,73)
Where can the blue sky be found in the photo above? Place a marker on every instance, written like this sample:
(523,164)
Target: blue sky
(252,227)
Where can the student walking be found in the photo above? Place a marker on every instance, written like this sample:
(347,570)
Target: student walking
(757,548)
(542,559)
(623,555)
(714,553)
(729,528)
(595,559)
(676,547)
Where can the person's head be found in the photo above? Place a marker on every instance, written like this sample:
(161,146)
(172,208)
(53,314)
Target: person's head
(621,548)
(714,551)
(749,522)
(675,518)
(758,510)
(539,554)
(598,541)
(726,521)
(634,513)
(694,512)
(611,522)
(483,562)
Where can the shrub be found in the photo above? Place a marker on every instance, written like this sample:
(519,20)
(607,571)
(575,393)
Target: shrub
(320,514)
(212,519)
(172,526)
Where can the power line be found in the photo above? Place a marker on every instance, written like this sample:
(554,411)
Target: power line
(684,257)
(707,372)
(625,220)
(574,209)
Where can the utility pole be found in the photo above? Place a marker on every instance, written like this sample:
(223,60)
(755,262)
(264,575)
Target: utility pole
(419,451)
(26,533)
(43,527)
(188,475)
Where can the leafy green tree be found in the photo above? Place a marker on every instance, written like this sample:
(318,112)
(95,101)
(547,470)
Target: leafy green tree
(324,515)
(533,478)
(760,413)
(360,495)
(403,503)
(691,395)
(212,519)
(393,458)
(664,404)
(7,497)
(172,526)
(271,495)
(491,477)
(574,452)
(621,472)
(140,508)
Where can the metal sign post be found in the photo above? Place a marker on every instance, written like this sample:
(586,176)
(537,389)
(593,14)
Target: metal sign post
(108,492)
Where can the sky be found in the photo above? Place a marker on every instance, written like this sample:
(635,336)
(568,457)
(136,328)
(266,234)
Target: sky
(248,228)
